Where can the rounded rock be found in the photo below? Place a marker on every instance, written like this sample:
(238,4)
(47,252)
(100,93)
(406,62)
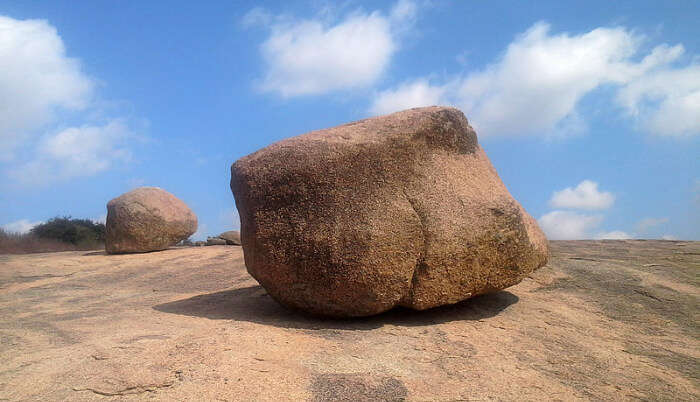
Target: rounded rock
(147,219)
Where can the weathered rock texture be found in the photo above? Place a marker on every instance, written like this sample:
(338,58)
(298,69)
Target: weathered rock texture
(147,219)
(232,237)
(603,321)
(403,209)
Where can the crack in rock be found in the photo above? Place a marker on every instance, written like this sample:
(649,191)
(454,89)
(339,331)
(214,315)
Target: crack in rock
(136,389)
(420,261)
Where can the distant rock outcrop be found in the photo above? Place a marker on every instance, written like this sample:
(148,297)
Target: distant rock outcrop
(215,241)
(147,219)
(232,237)
(404,209)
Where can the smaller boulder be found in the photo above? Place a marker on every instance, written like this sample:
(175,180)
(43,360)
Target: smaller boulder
(232,237)
(147,219)
(215,241)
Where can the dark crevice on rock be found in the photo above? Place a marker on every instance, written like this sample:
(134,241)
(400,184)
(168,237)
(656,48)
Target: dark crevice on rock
(420,261)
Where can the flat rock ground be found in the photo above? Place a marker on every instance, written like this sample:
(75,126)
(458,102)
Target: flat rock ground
(604,320)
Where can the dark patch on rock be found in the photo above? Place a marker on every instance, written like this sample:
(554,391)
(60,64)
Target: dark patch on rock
(357,387)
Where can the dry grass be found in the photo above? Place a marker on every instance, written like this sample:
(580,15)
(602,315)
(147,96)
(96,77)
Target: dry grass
(17,243)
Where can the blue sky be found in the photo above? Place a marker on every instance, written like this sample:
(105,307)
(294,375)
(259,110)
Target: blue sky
(590,111)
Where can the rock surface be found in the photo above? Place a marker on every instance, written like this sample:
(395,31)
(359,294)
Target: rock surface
(232,237)
(215,241)
(604,320)
(403,209)
(147,219)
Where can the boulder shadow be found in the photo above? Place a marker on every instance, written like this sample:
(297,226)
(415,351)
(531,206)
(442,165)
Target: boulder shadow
(253,304)
(104,252)
(95,253)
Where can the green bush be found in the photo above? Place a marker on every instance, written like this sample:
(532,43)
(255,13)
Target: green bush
(68,230)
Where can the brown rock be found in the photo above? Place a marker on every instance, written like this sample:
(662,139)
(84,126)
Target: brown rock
(147,219)
(404,209)
(232,237)
(215,241)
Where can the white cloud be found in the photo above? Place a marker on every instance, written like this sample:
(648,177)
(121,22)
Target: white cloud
(566,225)
(311,56)
(101,219)
(412,94)
(76,152)
(668,237)
(583,196)
(665,102)
(21,226)
(404,11)
(535,86)
(37,79)
(569,225)
(614,235)
(541,77)
(647,223)
(41,89)
(257,16)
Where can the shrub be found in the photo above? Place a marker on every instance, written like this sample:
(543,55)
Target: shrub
(58,234)
(68,230)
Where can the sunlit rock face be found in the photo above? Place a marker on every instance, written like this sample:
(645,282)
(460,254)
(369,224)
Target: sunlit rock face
(404,209)
(147,219)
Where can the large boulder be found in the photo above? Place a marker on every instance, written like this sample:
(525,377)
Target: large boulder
(232,237)
(398,210)
(147,219)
